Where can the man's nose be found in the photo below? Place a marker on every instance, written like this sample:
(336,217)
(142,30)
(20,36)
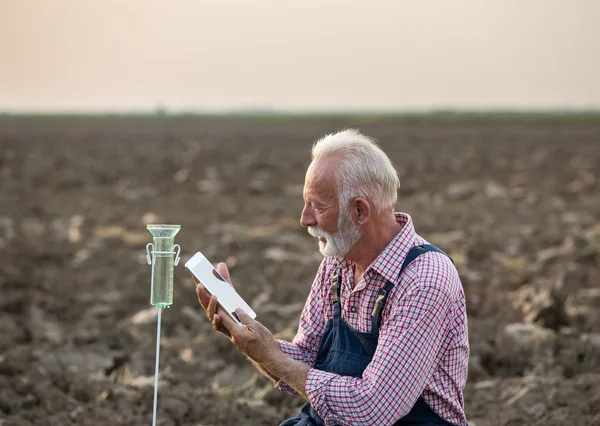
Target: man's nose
(307,218)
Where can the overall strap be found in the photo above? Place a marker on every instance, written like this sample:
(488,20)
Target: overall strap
(384,292)
(416,251)
(336,284)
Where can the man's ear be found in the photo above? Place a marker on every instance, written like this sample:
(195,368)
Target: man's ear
(361,210)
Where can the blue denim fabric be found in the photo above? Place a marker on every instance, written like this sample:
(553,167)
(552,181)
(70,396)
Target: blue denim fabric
(347,352)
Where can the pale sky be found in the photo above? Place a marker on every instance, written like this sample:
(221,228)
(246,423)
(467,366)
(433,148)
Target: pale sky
(125,55)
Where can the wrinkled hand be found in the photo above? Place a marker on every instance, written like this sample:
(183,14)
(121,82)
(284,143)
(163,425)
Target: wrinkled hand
(252,338)
(210,304)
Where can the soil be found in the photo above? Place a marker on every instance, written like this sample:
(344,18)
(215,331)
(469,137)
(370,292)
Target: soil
(517,206)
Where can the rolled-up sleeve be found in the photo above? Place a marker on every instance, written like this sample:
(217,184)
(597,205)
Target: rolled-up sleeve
(409,348)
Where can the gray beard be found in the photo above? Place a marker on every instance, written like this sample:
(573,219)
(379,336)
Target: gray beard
(340,243)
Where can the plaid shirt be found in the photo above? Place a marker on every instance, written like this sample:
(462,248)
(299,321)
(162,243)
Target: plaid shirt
(423,347)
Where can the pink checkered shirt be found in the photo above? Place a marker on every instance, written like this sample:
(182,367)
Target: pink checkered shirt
(423,347)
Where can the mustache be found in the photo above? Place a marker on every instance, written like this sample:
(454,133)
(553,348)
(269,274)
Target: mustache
(317,232)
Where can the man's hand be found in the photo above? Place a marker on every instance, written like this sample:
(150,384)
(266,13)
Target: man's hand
(209,303)
(259,345)
(253,339)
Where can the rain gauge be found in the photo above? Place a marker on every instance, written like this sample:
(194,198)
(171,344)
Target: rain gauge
(163,255)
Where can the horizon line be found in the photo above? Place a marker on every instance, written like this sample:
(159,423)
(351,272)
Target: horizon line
(448,114)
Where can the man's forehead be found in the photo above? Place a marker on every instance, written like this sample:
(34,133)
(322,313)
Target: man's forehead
(322,171)
(320,178)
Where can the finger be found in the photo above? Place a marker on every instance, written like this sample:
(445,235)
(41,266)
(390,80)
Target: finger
(224,271)
(244,317)
(203,296)
(217,325)
(229,324)
(211,310)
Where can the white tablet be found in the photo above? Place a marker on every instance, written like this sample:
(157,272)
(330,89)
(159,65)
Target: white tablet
(216,285)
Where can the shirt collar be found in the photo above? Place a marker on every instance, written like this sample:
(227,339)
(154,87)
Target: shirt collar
(387,264)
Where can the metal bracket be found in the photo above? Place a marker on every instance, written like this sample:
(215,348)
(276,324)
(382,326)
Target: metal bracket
(148,258)
(177,253)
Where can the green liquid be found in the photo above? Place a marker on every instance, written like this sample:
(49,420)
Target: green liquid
(161,294)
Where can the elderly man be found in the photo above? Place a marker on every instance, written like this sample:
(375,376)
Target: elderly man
(382,339)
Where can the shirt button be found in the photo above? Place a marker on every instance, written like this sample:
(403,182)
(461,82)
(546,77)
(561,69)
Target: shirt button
(353,309)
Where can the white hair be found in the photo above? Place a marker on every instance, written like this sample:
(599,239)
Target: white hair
(364,169)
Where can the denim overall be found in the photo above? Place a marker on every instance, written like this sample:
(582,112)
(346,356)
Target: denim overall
(347,352)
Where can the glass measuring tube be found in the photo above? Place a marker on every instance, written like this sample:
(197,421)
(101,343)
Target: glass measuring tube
(163,258)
